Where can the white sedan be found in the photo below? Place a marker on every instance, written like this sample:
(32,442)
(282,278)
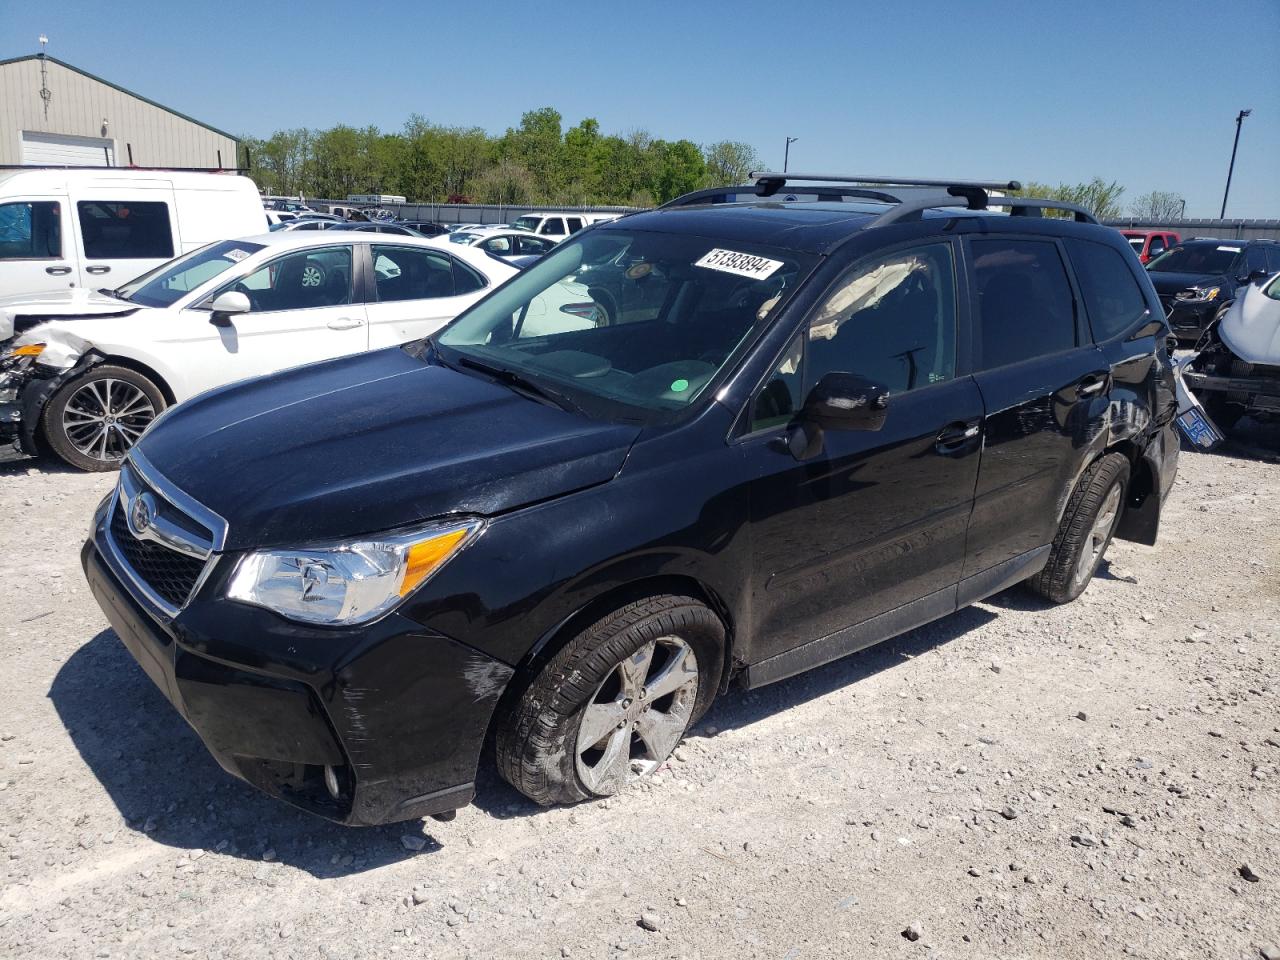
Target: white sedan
(90,371)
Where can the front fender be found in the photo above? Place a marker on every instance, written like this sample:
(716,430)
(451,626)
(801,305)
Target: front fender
(37,392)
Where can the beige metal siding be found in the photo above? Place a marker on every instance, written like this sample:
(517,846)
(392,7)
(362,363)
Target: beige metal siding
(80,104)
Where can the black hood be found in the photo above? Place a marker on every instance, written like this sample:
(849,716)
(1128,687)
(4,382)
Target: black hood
(371,442)
(1165,282)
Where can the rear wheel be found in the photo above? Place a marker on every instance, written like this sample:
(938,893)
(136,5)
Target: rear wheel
(94,419)
(1087,526)
(612,705)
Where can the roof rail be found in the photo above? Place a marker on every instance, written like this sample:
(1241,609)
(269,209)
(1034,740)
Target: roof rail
(710,194)
(98,166)
(768,183)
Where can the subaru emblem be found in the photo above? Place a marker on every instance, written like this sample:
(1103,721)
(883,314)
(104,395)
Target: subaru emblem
(142,513)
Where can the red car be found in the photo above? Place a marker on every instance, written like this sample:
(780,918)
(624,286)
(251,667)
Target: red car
(1149,244)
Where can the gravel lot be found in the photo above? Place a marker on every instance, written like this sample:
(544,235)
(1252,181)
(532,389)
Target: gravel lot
(1095,780)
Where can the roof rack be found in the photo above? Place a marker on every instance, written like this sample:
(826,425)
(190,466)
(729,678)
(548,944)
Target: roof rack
(969,194)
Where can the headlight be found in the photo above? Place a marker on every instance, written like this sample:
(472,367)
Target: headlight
(1198,294)
(28,350)
(351,582)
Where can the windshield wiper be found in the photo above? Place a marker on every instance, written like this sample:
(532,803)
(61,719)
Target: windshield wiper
(113,293)
(522,384)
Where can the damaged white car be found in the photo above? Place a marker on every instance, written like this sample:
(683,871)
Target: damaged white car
(83,374)
(1236,369)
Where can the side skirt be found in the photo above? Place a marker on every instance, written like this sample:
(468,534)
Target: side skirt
(851,639)
(896,621)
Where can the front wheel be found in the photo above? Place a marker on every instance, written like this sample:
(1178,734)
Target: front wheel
(1087,526)
(94,419)
(613,704)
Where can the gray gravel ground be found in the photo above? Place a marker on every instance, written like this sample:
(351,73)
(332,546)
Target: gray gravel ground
(1018,780)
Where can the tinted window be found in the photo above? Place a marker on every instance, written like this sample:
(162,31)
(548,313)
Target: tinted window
(411,273)
(779,399)
(891,320)
(1157,246)
(30,231)
(1209,257)
(1112,297)
(466,280)
(125,230)
(553,226)
(575,224)
(1273,258)
(1025,306)
(299,281)
(534,245)
(1255,259)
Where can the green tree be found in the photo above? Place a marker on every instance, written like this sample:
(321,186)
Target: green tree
(729,162)
(1158,205)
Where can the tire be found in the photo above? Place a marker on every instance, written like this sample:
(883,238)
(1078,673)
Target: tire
(97,399)
(590,687)
(1087,526)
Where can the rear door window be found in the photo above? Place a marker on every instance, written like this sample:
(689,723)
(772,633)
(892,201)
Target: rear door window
(1025,305)
(30,230)
(1273,259)
(575,224)
(411,273)
(1112,297)
(125,229)
(1255,260)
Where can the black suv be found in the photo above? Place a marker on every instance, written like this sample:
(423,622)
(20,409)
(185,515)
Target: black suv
(1198,279)
(709,444)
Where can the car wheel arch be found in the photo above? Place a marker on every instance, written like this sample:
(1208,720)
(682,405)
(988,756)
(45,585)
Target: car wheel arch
(554,639)
(92,358)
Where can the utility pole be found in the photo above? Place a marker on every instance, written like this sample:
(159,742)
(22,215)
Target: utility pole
(1239,120)
(786,154)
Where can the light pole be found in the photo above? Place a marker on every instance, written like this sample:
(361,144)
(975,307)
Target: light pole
(1239,120)
(786,154)
(1182,210)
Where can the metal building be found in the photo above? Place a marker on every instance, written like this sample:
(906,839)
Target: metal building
(54,113)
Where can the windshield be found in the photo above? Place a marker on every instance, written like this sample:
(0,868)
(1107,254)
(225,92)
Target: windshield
(1197,258)
(1136,243)
(629,323)
(1272,289)
(461,236)
(170,282)
(527,223)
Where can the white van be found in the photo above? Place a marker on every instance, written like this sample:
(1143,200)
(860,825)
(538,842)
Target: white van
(102,228)
(557,226)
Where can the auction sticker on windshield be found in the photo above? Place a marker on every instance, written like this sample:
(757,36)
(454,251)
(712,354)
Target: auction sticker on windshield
(742,264)
(236,254)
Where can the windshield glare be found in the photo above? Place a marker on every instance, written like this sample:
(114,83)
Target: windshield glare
(170,282)
(629,321)
(527,223)
(1200,258)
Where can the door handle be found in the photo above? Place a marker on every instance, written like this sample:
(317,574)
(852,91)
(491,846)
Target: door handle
(957,436)
(1092,385)
(97,268)
(344,323)
(57,271)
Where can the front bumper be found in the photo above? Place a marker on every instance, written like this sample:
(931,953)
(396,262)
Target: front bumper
(397,713)
(1261,393)
(11,432)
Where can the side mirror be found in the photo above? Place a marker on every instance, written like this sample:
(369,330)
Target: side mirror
(846,401)
(226,305)
(839,401)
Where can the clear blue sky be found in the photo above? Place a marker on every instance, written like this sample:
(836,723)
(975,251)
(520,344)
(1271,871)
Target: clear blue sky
(1145,93)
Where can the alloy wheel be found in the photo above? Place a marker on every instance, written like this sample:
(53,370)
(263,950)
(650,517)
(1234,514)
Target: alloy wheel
(104,418)
(1096,540)
(637,715)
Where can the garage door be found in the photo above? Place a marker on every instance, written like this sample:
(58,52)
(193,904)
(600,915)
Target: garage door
(58,150)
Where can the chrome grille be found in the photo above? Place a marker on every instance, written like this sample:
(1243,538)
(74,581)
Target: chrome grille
(170,574)
(163,540)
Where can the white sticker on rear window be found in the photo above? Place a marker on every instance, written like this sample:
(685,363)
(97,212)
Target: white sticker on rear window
(236,255)
(743,264)
(1232,249)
